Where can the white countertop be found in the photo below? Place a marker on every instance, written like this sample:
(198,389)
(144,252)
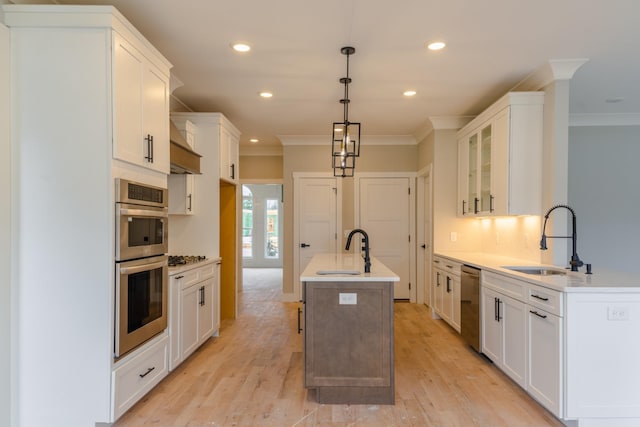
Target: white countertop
(599,281)
(342,262)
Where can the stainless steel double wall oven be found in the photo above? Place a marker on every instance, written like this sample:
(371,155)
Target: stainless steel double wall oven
(141,264)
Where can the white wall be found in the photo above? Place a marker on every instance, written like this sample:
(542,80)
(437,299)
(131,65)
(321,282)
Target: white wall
(5,230)
(604,190)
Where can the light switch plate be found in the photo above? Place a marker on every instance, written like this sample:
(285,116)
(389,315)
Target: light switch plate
(348,299)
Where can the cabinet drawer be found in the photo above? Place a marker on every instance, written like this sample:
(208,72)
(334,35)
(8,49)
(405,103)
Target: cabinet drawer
(544,298)
(207,271)
(134,378)
(514,288)
(447,265)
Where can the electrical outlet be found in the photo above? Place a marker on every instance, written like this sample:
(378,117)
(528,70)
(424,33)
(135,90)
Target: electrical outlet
(618,313)
(453,236)
(347,298)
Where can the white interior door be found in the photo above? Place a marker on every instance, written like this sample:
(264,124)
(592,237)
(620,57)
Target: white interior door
(424,250)
(383,211)
(316,220)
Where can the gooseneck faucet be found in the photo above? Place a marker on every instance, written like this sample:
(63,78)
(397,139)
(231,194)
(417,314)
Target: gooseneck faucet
(575,259)
(365,240)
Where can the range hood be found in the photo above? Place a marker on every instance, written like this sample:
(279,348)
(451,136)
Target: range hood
(182,158)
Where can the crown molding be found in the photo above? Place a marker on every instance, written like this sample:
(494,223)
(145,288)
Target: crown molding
(623,119)
(554,69)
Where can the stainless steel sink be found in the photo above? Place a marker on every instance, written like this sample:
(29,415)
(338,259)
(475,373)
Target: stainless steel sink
(537,271)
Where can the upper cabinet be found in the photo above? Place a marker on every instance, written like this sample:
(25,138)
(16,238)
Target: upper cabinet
(141,108)
(500,158)
(229,152)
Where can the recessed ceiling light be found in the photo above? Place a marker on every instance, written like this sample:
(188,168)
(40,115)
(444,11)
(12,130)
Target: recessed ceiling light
(241,47)
(436,45)
(266,94)
(409,93)
(253,140)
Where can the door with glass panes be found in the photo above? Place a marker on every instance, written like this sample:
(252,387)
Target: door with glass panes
(261,225)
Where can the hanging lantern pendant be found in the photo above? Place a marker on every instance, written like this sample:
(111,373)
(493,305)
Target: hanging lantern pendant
(346,134)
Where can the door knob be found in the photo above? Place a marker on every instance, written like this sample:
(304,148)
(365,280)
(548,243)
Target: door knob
(304,245)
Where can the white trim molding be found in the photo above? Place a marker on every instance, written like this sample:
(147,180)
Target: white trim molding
(623,119)
(554,69)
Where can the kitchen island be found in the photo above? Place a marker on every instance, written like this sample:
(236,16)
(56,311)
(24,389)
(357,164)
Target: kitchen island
(348,330)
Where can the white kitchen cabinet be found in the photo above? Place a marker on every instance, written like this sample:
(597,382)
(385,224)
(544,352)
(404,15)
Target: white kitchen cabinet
(194,311)
(544,368)
(446,291)
(134,376)
(141,107)
(64,126)
(504,321)
(181,194)
(500,158)
(229,152)
(522,335)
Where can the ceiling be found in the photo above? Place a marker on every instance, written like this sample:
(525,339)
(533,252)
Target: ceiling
(492,45)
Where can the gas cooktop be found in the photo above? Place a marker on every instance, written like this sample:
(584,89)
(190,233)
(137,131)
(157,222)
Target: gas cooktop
(175,260)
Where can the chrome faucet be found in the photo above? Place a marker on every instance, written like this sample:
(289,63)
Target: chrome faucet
(365,240)
(575,259)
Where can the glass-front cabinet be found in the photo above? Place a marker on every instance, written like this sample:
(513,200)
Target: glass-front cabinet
(500,158)
(475,174)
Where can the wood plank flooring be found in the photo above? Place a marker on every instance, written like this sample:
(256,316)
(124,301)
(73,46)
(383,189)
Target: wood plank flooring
(251,375)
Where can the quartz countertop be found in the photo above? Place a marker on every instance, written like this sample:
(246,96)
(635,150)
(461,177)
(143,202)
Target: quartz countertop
(343,264)
(599,281)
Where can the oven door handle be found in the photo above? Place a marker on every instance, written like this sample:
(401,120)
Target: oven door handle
(145,267)
(143,212)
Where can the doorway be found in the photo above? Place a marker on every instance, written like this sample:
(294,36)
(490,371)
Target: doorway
(262,225)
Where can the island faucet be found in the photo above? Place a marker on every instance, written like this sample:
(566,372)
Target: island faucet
(365,240)
(575,259)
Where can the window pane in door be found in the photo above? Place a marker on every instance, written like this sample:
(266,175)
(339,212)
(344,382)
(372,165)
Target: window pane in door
(272,249)
(247,222)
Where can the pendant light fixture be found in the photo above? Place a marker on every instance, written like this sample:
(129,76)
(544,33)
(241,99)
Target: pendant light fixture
(345,144)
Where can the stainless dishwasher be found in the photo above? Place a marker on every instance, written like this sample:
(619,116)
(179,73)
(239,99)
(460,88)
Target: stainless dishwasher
(470,306)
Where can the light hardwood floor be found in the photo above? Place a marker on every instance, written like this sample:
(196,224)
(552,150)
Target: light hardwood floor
(251,375)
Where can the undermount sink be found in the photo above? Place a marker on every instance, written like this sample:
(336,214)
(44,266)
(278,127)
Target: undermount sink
(537,271)
(352,272)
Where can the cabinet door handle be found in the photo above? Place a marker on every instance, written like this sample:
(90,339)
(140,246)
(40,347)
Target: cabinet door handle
(304,245)
(438,279)
(149,156)
(448,284)
(151,148)
(179,277)
(299,325)
(147,373)
(539,297)
(202,296)
(233,171)
(491,203)
(538,314)
(189,207)
(464,203)
(475,205)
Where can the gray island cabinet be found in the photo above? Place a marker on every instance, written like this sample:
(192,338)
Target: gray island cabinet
(348,330)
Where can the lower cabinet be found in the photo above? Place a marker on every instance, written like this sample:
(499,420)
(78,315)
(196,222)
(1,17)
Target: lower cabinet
(522,334)
(504,337)
(348,342)
(446,291)
(138,373)
(544,343)
(194,302)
